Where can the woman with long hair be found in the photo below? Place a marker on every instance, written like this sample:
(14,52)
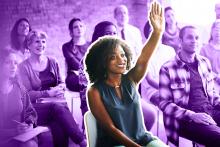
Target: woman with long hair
(73,52)
(18,34)
(171,32)
(17,114)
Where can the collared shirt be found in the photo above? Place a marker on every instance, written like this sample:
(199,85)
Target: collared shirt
(174,89)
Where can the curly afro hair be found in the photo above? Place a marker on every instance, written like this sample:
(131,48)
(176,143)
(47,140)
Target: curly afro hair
(97,58)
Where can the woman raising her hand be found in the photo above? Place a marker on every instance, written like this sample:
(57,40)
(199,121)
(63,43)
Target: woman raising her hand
(113,96)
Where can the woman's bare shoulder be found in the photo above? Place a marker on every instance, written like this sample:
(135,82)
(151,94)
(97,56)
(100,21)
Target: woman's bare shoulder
(93,91)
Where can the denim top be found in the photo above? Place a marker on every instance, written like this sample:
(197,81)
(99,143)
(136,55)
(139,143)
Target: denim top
(125,113)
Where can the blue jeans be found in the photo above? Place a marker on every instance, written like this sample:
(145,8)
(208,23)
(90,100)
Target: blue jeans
(208,135)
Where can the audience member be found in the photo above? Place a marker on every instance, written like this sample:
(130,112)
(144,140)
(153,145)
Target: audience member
(74,51)
(18,34)
(40,75)
(190,105)
(128,32)
(17,114)
(171,32)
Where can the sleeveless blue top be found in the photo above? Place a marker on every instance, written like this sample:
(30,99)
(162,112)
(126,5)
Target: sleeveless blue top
(125,113)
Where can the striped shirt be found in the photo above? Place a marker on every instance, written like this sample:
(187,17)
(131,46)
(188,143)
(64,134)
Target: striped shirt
(174,89)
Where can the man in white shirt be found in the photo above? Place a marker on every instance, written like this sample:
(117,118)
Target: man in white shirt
(129,33)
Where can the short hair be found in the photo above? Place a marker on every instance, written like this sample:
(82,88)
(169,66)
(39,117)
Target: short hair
(147,29)
(99,29)
(182,30)
(32,34)
(97,58)
(14,33)
(119,7)
(72,21)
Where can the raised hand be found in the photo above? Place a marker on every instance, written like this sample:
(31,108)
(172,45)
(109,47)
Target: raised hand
(156,17)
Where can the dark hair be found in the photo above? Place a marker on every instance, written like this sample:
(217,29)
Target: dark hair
(100,28)
(72,21)
(14,33)
(147,29)
(165,10)
(183,29)
(97,58)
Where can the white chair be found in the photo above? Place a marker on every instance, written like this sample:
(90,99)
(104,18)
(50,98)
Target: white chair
(91,129)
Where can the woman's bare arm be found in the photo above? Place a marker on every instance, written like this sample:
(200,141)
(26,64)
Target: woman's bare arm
(157,22)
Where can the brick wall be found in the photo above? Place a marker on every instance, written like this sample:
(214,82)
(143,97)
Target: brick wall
(53,16)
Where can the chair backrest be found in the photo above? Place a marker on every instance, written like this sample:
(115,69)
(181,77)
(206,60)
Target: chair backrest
(91,128)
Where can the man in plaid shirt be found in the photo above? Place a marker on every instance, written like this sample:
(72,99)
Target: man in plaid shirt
(187,97)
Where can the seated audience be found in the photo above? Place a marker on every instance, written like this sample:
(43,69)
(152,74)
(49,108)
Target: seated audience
(74,51)
(190,105)
(171,32)
(40,75)
(17,114)
(113,96)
